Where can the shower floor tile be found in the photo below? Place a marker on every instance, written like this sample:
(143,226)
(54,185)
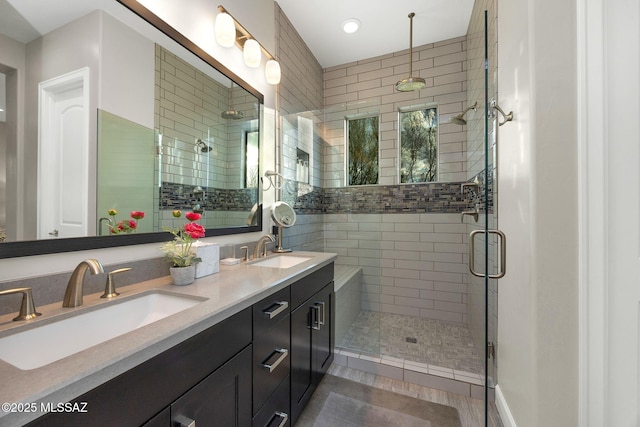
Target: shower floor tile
(438,343)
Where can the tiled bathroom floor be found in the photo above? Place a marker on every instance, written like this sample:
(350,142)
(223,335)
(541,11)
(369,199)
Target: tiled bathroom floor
(438,343)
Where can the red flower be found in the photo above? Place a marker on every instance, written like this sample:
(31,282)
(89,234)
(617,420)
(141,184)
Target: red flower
(192,216)
(194,230)
(137,214)
(132,224)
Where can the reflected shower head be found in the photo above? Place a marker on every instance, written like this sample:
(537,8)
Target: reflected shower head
(459,119)
(232,114)
(204,148)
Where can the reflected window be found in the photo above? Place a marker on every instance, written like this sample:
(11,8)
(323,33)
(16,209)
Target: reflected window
(362,146)
(251,159)
(419,145)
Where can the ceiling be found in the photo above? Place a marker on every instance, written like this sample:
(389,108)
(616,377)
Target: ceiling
(384,29)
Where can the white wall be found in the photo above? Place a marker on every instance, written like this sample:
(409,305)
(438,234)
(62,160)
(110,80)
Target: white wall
(538,330)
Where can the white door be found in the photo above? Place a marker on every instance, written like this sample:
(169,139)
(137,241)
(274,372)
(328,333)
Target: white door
(63,156)
(611,256)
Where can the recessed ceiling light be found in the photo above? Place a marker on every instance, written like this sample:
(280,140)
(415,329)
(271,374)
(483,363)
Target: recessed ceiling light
(350,25)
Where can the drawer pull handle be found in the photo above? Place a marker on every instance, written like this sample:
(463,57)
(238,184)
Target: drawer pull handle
(280,307)
(315,324)
(321,321)
(283,417)
(185,422)
(283,355)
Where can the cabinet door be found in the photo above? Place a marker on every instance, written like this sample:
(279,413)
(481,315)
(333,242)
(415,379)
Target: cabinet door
(312,342)
(323,337)
(301,360)
(221,399)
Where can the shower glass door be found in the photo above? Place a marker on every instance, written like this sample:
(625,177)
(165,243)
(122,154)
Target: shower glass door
(484,239)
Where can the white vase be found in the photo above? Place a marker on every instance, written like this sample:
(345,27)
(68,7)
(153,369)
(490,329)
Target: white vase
(183,275)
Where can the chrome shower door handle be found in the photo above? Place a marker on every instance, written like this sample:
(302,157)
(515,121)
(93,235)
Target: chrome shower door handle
(503,253)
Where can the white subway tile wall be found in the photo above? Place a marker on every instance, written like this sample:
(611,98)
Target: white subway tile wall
(369,87)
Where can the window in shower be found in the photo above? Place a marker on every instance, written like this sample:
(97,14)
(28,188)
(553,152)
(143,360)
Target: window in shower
(419,145)
(362,150)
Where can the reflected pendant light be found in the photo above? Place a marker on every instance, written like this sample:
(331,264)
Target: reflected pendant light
(232,113)
(410,83)
(225,30)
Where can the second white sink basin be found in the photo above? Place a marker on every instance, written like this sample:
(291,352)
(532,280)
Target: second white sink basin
(41,345)
(281,261)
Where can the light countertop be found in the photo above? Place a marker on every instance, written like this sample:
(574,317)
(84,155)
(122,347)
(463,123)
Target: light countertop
(228,292)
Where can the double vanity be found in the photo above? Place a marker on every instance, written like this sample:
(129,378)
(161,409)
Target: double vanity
(246,347)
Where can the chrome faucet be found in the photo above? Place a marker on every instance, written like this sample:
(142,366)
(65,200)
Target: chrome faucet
(262,241)
(27,308)
(73,294)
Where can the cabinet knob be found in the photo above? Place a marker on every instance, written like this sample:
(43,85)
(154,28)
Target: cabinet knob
(184,421)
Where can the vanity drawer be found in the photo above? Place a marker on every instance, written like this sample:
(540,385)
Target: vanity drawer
(304,288)
(276,412)
(271,361)
(270,311)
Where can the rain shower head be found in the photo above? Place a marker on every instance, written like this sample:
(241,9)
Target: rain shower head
(459,119)
(232,114)
(202,146)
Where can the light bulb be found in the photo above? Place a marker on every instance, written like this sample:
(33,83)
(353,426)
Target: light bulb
(251,53)
(225,30)
(272,72)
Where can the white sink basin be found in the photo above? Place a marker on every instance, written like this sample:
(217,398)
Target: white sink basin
(281,261)
(41,345)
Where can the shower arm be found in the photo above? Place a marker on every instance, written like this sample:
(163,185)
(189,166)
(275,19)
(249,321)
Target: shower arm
(474,107)
(507,117)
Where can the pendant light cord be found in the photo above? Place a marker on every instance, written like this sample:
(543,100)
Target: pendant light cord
(411,15)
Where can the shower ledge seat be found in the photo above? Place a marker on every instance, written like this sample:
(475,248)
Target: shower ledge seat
(348,290)
(345,275)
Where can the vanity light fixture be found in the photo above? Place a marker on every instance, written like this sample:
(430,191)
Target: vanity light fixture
(231,32)
(251,53)
(225,30)
(350,25)
(410,83)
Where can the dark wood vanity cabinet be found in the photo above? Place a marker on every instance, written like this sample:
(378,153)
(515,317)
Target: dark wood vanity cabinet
(312,335)
(219,357)
(271,360)
(257,368)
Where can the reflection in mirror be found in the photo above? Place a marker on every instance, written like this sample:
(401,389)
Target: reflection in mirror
(151,131)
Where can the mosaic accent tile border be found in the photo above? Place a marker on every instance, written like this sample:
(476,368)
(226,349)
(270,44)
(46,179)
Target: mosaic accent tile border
(181,196)
(380,199)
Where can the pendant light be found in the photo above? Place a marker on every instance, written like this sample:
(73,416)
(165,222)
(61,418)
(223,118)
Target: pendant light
(410,83)
(232,113)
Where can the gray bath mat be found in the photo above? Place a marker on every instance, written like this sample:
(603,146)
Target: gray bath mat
(344,403)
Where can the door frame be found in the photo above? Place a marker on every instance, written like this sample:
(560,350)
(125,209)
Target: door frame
(593,101)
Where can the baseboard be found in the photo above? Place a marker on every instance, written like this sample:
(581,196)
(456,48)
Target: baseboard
(503,409)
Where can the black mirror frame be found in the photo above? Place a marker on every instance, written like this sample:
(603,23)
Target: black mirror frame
(51,246)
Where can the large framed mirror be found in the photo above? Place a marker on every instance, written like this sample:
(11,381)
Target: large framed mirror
(108,110)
